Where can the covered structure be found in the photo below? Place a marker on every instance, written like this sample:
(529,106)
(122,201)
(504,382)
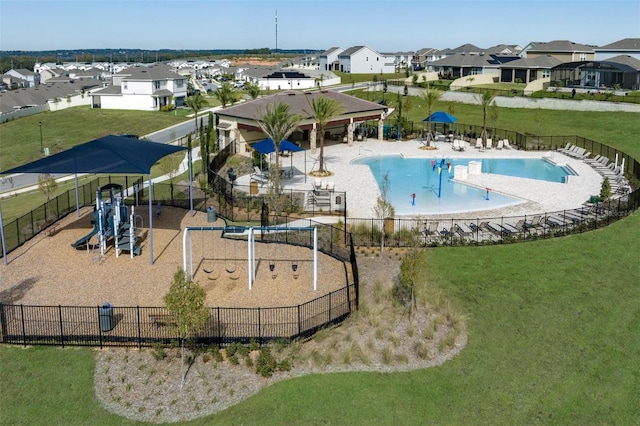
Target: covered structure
(109,154)
(239,124)
(620,72)
(266,146)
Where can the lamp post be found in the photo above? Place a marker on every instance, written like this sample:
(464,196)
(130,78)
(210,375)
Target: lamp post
(40,124)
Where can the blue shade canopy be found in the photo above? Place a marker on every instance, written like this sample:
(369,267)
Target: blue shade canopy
(109,154)
(441,117)
(266,146)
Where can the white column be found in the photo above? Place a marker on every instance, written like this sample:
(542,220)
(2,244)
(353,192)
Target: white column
(313,135)
(350,133)
(380,129)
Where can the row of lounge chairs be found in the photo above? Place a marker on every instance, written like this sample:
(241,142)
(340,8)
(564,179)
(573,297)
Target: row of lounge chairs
(601,164)
(435,231)
(501,143)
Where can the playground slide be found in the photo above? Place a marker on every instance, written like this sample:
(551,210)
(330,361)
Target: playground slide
(84,240)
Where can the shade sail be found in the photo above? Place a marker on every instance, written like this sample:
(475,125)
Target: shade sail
(109,154)
(441,117)
(266,146)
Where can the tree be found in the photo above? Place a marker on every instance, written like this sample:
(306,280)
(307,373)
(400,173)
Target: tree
(605,190)
(47,185)
(322,111)
(493,114)
(196,103)
(383,208)
(485,102)
(410,275)
(226,94)
(252,89)
(186,304)
(277,123)
(430,97)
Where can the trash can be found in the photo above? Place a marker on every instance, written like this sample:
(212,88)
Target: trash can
(106,317)
(211,214)
(594,199)
(253,187)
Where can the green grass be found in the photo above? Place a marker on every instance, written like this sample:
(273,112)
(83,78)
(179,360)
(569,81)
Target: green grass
(553,335)
(50,386)
(20,139)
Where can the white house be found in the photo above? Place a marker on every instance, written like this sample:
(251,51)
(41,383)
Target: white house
(365,60)
(146,88)
(273,78)
(329,59)
(26,77)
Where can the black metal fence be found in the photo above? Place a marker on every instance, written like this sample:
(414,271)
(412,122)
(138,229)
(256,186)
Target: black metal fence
(142,326)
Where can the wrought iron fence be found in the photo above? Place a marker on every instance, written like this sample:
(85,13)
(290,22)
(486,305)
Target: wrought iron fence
(142,326)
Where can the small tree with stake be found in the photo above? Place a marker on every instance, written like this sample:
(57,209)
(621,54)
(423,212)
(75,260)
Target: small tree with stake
(47,185)
(185,301)
(383,208)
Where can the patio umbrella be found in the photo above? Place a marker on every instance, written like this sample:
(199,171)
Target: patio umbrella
(266,146)
(441,117)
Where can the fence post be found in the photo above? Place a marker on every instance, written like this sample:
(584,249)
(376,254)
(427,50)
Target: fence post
(3,323)
(219,335)
(24,330)
(61,326)
(139,330)
(259,327)
(329,319)
(299,322)
(99,328)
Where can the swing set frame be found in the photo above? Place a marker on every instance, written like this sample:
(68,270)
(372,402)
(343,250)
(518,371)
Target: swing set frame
(187,246)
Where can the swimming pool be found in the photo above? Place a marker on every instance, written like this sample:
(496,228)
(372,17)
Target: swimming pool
(408,176)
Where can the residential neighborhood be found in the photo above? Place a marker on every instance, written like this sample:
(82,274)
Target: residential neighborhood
(152,87)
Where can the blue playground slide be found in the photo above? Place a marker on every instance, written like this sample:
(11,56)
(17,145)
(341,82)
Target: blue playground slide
(96,228)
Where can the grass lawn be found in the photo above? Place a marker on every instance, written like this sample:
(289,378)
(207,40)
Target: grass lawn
(553,334)
(20,139)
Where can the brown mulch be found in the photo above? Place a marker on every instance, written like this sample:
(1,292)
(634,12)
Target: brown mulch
(48,271)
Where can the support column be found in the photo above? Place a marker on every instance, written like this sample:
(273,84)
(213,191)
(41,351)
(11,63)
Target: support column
(380,129)
(350,133)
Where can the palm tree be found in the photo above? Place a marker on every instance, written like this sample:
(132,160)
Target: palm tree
(430,96)
(252,89)
(278,123)
(226,94)
(323,110)
(196,102)
(485,102)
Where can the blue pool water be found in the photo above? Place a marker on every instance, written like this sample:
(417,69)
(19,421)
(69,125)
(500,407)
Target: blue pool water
(409,176)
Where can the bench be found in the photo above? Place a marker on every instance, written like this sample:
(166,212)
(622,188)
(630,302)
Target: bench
(159,319)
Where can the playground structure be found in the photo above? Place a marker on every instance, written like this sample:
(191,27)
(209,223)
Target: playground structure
(250,233)
(112,221)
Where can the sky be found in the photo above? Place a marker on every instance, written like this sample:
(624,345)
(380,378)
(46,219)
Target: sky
(386,26)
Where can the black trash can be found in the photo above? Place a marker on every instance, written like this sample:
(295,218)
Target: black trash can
(105,313)
(211,214)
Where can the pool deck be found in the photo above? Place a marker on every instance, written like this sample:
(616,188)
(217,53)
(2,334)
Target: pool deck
(362,190)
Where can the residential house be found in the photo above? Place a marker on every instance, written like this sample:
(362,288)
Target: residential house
(365,60)
(401,60)
(424,55)
(627,46)
(563,50)
(276,78)
(25,77)
(146,88)
(329,59)
(526,70)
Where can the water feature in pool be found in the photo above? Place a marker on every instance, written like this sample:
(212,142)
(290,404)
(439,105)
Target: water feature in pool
(409,176)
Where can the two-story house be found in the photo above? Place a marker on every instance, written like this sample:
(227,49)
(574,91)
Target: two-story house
(563,50)
(24,77)
(365,60)
(329,59)
(146,88)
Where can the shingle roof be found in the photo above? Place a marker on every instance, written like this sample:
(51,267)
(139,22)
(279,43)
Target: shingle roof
(154,72)
(330,50)
(466,48)
(350,51)
(42,93)
(560,46)
(626,60)
(624,44)
(544,62)
(461,60)
(299,102)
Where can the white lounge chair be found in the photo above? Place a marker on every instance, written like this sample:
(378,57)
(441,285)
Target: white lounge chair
(479,143)
(505,143)
(489,143)
(500,144)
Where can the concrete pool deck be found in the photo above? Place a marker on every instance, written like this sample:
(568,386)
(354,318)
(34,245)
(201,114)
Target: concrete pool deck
(362,190)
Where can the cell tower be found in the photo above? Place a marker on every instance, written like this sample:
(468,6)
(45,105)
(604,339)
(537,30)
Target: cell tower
(276,31)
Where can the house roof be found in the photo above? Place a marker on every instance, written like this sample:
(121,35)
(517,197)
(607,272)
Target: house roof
(109,90)
(426,51)
(23,71)
(299,103)
(463,60)
(154,72)
(559,46)
(43,93)
(331,50)
(629,44)
(466,48)
(350,51)
(543,62)
(626,60)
